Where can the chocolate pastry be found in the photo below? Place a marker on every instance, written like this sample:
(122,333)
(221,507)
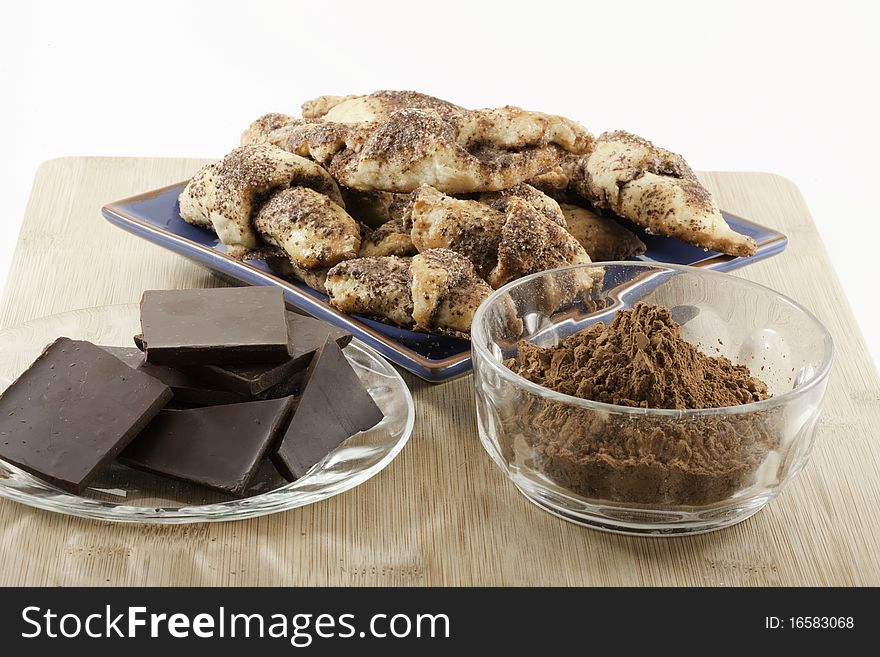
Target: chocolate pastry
(602,237)
(391,238)
(224,196)
(261,199)
(657,189)
(377,286)
(397,140)
(436,291)
(313,230)
(506,234)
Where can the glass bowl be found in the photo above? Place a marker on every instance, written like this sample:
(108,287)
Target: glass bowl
(125,495)
(650,471)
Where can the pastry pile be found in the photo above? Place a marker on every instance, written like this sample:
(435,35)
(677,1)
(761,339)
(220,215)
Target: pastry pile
(410,209)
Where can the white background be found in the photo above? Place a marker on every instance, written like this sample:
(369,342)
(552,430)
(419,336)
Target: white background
(787,87)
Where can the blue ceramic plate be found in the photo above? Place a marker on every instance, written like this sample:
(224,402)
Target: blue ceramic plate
(154,216)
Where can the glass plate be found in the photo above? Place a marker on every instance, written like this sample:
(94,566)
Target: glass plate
(126,495)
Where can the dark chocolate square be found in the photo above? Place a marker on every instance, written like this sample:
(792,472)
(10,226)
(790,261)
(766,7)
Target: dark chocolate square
(187,388)
(333,407)
(73,410)
(220,447)
(306,337)
(269,381)
(220,326)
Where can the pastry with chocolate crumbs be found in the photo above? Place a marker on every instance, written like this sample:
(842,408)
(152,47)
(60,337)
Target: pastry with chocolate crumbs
(377,286)
(261,199)
(363,185)
(377,106)
(225,195)
(391,238)
(436,291)
(311,229)
(374,208)
(602,237)
(655,188)
(396,141)
(506,235)
(446,292)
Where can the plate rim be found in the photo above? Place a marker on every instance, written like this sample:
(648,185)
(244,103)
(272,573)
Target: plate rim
(239,509)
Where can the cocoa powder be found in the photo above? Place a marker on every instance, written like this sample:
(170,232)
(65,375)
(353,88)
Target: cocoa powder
(640,360)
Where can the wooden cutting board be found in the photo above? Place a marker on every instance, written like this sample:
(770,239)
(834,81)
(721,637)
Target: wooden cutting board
(441,513)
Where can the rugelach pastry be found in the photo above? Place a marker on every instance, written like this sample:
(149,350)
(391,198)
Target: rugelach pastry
(506,235)
(260,196)
(396,141)
(437,291)
(602,237)
(655,188)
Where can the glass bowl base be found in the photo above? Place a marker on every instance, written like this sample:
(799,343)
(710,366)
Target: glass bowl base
(637,522)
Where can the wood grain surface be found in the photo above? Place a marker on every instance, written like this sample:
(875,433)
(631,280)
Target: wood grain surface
(441,513)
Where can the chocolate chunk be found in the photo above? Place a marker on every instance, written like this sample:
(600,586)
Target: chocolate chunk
(275,380)
(333,407)
(220,447)
(187,389)
(306,337)
(308,334)
(265,479)
(292,385)
(220,326)
(132,357)
(73,410)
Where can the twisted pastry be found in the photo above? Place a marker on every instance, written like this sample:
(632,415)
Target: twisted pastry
(260,195)
(391,238)
(313,230)
(558,181)
(377,106)
(397,141)
(534,197)
(602,238)
(530,243)
(437,291)
(506,235)
(446,292)
(462,225)
(375,286)
(374,208)
(656,189)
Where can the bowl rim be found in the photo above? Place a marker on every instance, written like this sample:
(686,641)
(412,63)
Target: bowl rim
(484,356)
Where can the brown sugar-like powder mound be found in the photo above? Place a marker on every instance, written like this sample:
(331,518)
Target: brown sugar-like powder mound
(640,359)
